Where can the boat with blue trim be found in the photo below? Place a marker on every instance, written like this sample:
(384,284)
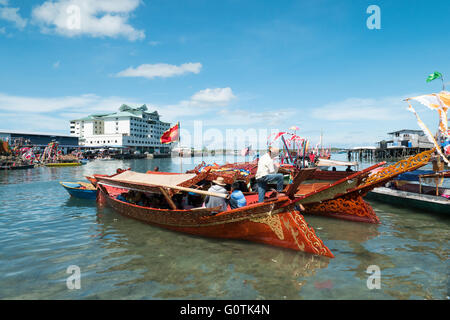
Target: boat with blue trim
(83,190)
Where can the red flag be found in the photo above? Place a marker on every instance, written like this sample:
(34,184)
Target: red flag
(171,135)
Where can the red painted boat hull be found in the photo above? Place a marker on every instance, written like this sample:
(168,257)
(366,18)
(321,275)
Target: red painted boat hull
(269,223)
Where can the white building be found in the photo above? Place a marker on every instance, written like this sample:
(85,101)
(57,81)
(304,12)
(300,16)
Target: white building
(408,138)
(129,127)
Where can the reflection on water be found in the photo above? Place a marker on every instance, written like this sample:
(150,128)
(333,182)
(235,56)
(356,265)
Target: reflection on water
(43,231)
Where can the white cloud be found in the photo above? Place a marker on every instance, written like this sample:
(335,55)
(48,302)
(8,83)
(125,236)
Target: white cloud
(86,103)
(100,18)
(4,2)
(12,15)
(217,96)
(162,70)
(66,108)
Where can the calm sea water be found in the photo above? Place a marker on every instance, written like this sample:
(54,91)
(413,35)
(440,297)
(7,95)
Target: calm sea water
(43,231)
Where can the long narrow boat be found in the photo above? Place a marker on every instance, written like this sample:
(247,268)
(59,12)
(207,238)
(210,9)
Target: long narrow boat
(344,196)
(351,205)
(275,222)
(81,190)
(407,194)
(16,167)
(319,186)
(63,164)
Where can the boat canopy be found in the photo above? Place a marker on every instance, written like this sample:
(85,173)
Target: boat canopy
(334,163)
(160,179)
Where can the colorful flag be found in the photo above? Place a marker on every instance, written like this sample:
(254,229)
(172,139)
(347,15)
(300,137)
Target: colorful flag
(171,135)
(428,134)
(434,76)
(245,151)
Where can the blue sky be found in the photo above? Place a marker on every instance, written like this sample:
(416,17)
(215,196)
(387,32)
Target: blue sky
(230,64)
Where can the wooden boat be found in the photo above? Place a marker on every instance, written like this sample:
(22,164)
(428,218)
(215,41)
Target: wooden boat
(351,205)
(327,185)
(81,190)
(406,194)
(63,164)
(275,222)
(344,198)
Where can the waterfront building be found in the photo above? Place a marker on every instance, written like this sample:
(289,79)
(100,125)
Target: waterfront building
(129,127)
(40,139)
(407,138)
(402,143)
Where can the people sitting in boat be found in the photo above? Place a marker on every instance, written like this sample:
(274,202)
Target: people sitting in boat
(334,169)
(267,173)
(237,198)
(349,169)
(156,169)
(212,201)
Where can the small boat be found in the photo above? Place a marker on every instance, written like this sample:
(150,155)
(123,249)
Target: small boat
(63,164)
(81,190)
(275,221)
(10,166)
(407,194)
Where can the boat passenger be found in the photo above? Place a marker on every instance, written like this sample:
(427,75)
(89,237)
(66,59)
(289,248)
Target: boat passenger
(334,169)
(156,169)
(218,187)
(349,169)
(267,173)
(237,198)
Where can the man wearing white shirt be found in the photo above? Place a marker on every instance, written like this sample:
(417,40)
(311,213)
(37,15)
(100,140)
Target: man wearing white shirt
(267,173)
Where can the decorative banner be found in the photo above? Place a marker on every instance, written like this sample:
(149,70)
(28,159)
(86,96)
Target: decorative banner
(439,102)
(428,134)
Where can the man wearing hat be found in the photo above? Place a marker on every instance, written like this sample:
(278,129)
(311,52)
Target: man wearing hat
(218,187)
(267,173)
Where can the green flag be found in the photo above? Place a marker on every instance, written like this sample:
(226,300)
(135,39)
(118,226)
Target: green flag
(433,76)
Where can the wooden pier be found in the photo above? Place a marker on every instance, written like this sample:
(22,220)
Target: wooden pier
(372,153)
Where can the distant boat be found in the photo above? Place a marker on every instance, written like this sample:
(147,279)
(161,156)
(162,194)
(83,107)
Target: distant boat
(63,164)
(81,190)
(10,166)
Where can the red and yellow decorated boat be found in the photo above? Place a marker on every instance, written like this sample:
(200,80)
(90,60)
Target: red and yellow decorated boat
(343,198)
(275,221)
